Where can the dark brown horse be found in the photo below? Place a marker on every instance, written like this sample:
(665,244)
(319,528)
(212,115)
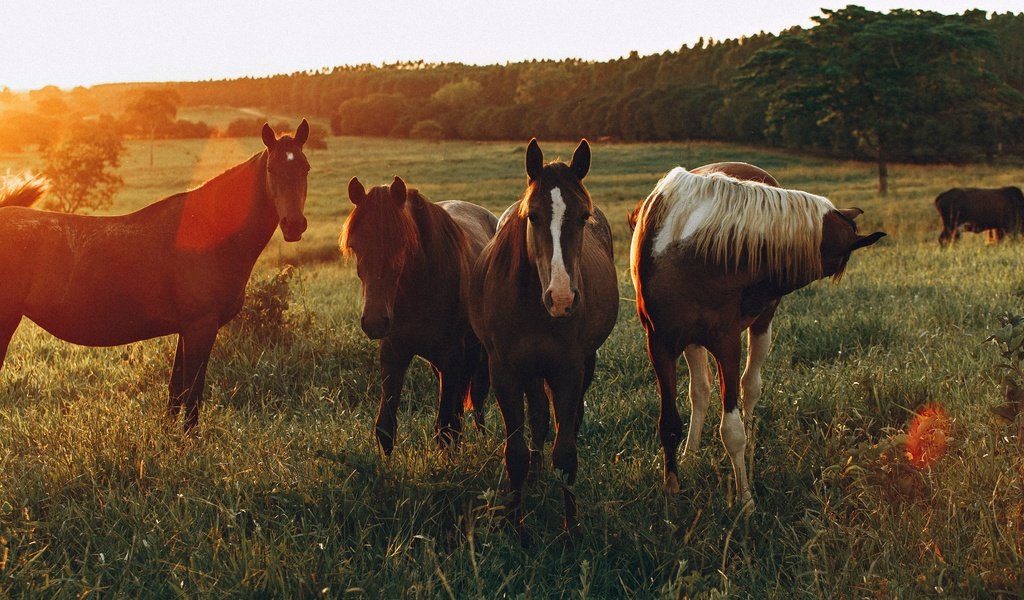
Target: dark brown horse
(179,265)
(414,259)
(994,211)
(544,299)
(713,252)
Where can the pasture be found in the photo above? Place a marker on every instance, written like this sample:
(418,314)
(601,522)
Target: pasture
(285,493)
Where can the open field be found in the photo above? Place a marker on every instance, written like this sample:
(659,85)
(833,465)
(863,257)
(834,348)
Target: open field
(285,493)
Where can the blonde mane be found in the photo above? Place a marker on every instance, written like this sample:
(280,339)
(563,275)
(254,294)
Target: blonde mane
(770,231)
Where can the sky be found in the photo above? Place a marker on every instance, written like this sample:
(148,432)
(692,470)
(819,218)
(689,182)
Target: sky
(85,42)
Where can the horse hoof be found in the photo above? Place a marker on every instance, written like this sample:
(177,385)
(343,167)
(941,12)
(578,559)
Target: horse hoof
(672,484)
(386,442)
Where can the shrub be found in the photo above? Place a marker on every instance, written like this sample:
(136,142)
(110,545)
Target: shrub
(427,130)
(267,302)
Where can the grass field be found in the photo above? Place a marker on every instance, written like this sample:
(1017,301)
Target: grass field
(286,495)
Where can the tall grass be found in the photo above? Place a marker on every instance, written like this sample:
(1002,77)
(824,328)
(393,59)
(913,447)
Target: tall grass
(285,493)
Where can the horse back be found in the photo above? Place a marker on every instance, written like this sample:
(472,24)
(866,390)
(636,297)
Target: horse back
(476,222)
(981,209)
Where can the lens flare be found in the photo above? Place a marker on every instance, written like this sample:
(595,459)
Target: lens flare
(928,435)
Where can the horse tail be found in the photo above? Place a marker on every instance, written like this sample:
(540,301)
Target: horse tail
(23,191)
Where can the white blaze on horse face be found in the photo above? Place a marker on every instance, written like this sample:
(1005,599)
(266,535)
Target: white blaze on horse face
(561,293)
(289,155)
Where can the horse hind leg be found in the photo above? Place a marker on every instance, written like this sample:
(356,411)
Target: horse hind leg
(670,425)
(478,389)
(699,392)
(759,341)
(176,386)
(8,325)
(733,433)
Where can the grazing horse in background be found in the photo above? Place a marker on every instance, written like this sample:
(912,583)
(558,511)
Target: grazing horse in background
(713,252)
(996,211)
(544,298)
(179,265)
(414,259)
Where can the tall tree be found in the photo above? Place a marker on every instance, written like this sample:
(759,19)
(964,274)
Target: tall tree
(874,77)
(154,110)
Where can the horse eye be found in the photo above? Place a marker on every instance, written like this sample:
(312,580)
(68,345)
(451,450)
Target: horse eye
(532,217)
(584,217)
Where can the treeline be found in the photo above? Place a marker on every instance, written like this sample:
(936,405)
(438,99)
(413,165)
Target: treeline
(710,91)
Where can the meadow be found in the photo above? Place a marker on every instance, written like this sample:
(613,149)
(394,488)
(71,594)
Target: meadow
(285,494)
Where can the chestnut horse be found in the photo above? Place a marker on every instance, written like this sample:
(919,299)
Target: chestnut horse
(544,298)
(179,265)
(414,259)
(713,252)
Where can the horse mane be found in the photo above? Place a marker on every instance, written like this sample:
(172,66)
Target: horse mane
(509,242)
(22,190)
(441,238)
(772,231)
(379,214)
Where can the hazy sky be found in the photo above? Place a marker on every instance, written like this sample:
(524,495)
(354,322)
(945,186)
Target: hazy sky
(84,42)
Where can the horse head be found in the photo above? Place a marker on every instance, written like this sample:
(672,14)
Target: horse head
(839,238)
(287,169)
(557,207)
(382,237)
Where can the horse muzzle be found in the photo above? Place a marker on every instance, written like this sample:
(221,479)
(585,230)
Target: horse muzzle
(375,328)
(561,305)
(292,229)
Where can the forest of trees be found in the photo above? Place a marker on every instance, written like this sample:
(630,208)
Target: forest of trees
(903,85)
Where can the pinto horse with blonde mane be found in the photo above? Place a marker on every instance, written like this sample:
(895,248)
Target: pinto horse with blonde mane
(414,260)
(544,299)
(713,252)
(179,265)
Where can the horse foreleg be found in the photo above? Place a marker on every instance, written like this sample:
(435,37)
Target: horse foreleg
(699,392)
(393,365)
(196,344)
(566,391)
(670,426)
(509,395)
(734,437)
(540,422)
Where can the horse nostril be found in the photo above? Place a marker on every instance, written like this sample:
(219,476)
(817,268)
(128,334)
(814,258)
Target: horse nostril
(548,300)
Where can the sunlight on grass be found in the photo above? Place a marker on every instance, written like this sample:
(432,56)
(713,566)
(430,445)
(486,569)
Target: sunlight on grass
(286,494)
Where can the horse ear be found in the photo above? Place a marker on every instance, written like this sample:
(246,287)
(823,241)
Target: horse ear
(398,190)
(534,161)
(356,191)
(302,133)
(581,159)
(850,213)
(864,241)
(269,138)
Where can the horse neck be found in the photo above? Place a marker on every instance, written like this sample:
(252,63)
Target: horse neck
(442,247)
(232,211)
(511,259)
